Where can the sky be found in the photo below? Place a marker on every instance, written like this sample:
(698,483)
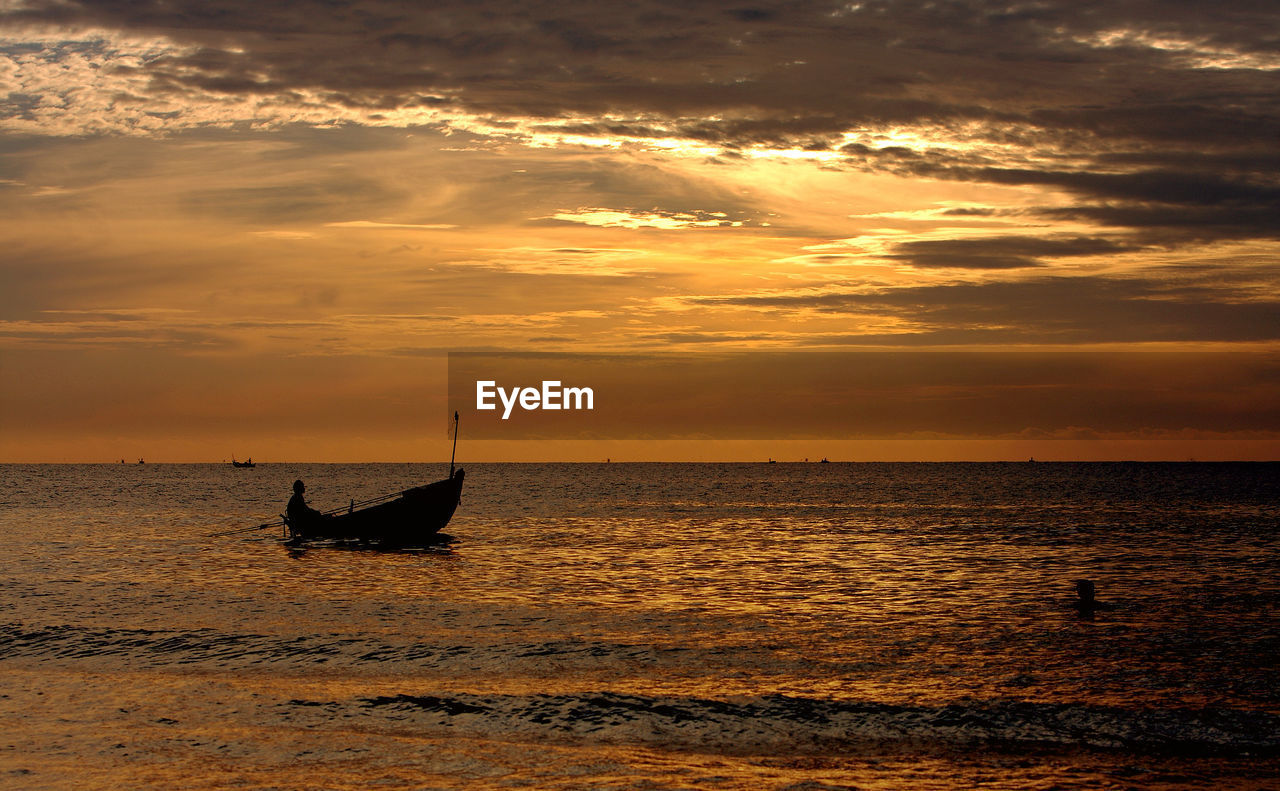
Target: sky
(234,228)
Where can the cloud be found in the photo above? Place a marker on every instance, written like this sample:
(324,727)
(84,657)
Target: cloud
(656,69)
(563,262)
(663,220)
(289,235)
(298,201)
(1001,252)
(1046,310)
(1124,131)
(1163,121)
(368,224)
(969,90)
(155,328)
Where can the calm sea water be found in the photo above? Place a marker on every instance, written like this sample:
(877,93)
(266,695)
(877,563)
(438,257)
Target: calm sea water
(646,626)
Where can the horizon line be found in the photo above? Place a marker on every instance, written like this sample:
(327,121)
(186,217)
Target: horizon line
(669,461)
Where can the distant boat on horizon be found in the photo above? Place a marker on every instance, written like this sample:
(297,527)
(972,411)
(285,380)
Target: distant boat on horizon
(248,463)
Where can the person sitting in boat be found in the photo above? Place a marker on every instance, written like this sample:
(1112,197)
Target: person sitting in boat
(301,516)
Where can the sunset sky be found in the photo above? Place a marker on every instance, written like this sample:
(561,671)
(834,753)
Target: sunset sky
(237,227)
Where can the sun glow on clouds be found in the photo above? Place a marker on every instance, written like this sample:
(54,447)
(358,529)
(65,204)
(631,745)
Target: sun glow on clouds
(95,81)
(1194,53)
(573,261)
(569,176)
(670,221)
(954,212)
(541,133)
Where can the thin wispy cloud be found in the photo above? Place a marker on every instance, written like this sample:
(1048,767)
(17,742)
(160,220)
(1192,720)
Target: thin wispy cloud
(370,225)
(662,220)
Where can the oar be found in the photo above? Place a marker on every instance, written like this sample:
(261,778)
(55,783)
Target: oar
(280,522)
(244,529)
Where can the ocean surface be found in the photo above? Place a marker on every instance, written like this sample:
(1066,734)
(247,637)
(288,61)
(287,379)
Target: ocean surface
(646,626)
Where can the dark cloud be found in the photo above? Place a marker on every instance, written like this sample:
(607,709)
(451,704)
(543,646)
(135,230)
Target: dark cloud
(1003,252)
(1053,310)
(883,61)
(1148,186)
(1159,120)
(1192,198)
(1179,224)
(1167,111)
(787,65)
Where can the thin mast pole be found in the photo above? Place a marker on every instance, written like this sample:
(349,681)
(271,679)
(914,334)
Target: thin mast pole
(454,454)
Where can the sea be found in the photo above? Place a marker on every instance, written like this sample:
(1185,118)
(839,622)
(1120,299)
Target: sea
(795,626)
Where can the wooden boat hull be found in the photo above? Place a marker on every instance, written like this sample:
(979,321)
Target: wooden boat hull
(412,519)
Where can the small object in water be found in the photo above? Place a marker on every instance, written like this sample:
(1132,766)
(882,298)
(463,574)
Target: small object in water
(1086,603)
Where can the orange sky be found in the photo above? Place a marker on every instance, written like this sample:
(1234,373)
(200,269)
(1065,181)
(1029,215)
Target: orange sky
(261,232)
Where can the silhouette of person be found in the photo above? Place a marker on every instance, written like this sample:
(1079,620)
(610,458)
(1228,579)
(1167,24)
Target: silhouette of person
(301,516)
(1086,605)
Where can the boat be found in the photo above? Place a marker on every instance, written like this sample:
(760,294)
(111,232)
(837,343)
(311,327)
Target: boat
(411,518)
(248,463)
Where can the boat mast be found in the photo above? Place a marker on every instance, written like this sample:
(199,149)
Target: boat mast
(454,453)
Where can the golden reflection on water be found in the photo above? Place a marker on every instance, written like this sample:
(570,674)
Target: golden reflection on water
(936,586)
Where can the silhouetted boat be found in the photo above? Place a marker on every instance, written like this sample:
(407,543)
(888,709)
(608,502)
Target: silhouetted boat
(248,463)
(406,519)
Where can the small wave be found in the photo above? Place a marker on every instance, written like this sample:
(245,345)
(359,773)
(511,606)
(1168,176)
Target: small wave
(769,723)
(781,723)
(160,647)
